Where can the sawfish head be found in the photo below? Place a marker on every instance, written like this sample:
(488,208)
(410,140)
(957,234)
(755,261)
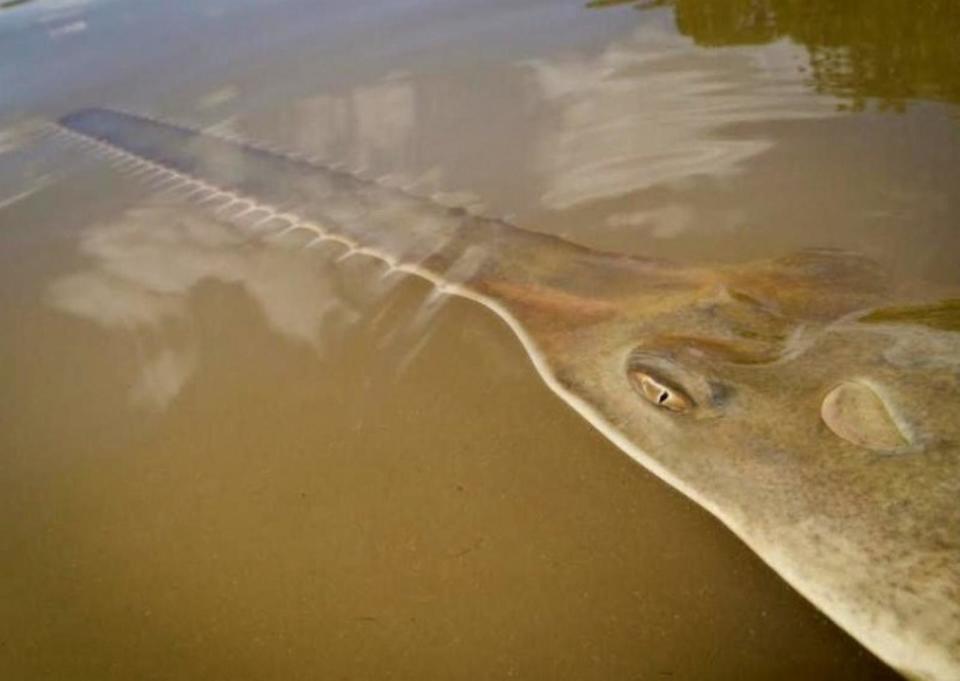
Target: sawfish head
(821,424)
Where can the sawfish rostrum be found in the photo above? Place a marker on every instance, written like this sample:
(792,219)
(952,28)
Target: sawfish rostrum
(803,401)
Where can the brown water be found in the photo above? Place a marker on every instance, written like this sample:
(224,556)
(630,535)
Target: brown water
(229,457)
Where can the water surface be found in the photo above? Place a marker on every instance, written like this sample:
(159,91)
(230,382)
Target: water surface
(230,457)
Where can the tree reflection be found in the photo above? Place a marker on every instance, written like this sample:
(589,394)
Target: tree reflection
(888,50)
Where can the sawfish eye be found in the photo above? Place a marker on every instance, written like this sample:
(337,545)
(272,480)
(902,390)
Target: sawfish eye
(660,392)
(675,386)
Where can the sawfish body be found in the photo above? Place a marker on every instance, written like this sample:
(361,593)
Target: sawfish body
(804,401)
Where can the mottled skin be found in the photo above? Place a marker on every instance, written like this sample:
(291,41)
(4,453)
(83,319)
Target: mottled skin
(747,354)
(871,537)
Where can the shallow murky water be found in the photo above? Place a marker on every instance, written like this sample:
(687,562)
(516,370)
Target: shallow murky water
(226,455)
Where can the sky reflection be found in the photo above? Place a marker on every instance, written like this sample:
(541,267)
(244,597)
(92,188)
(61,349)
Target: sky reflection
(145,266)
(652,109)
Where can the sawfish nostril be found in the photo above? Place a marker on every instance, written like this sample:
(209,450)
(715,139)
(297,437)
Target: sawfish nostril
(855,412)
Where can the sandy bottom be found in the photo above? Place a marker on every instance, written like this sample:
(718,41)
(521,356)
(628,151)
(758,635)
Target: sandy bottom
(226,494)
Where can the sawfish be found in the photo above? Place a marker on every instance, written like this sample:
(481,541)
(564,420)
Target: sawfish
(807,401)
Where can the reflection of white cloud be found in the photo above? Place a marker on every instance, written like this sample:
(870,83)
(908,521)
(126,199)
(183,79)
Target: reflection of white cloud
(111,301)
(381,130)
(67,29)
(146,265)
(384,116)
(650,110)
(161,378)
(366,124)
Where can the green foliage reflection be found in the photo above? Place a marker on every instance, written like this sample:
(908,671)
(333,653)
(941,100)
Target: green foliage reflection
(5,4)
(891,50)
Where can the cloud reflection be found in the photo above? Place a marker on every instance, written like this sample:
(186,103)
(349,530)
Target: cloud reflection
(365,127)
(650,110)
(162,377)
(381,130)
(70,28)
(145,266)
